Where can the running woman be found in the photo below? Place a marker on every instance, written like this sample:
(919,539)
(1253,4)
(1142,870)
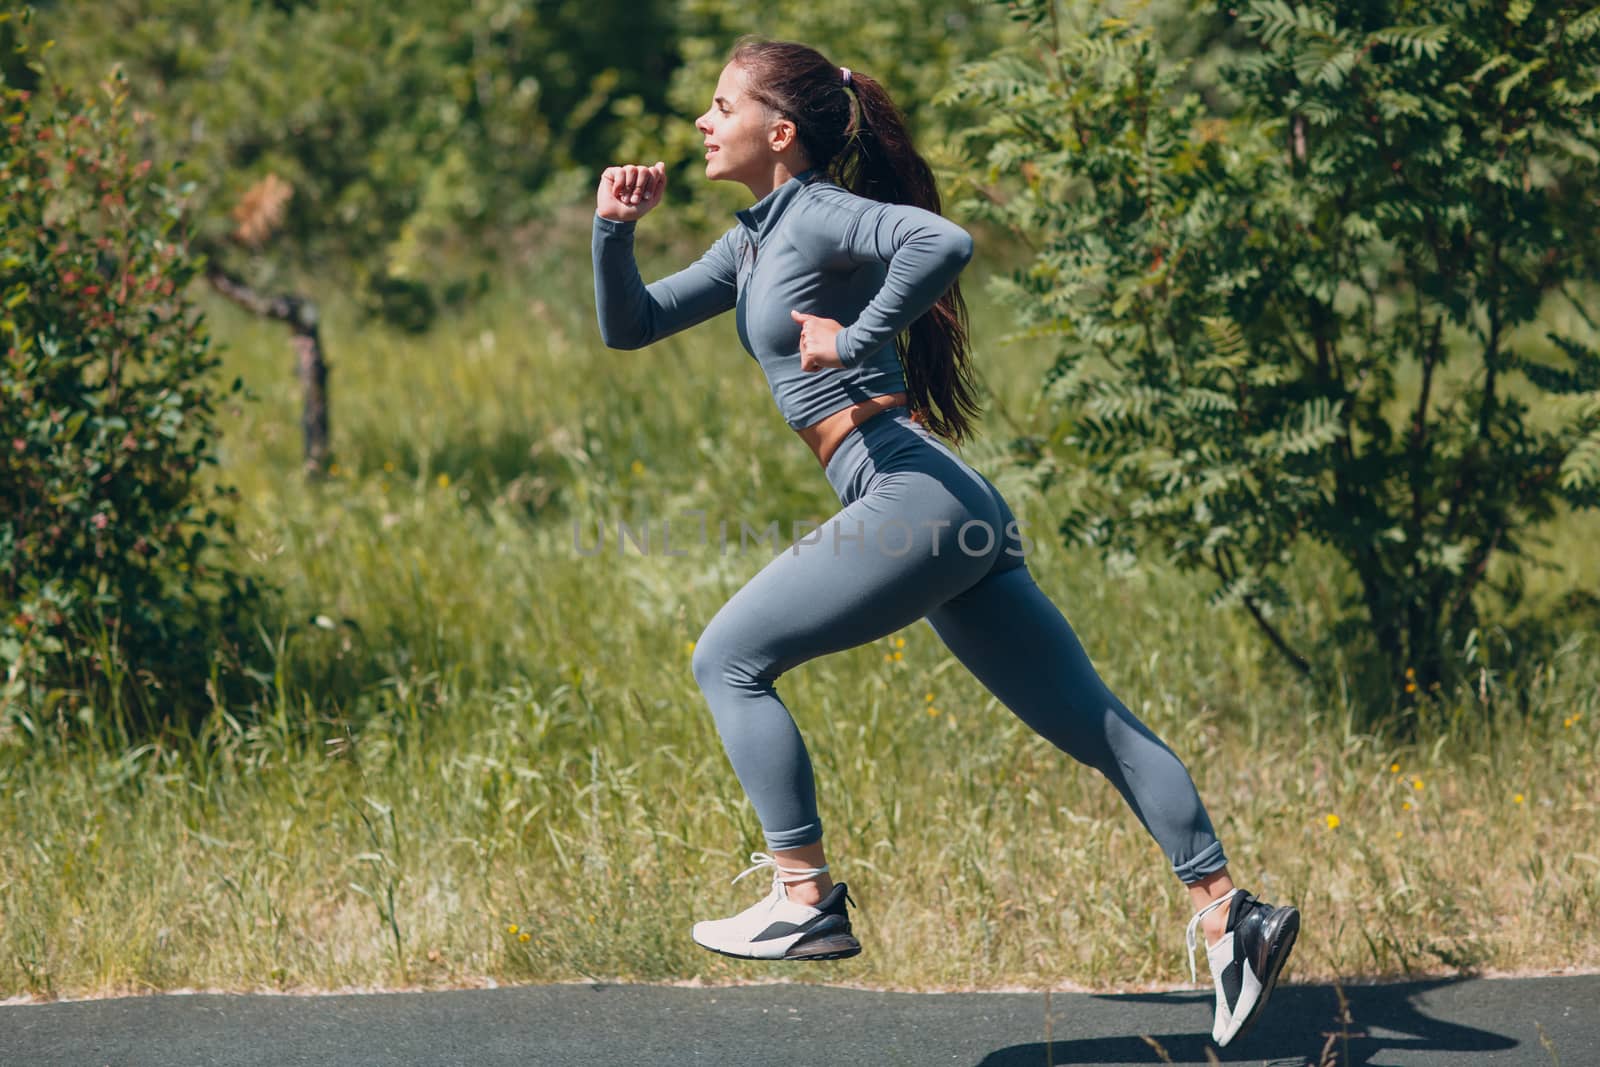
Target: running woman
(842,276)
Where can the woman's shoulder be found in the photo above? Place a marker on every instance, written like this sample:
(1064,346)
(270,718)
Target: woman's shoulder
(825,200)
(825,195)
(830,215)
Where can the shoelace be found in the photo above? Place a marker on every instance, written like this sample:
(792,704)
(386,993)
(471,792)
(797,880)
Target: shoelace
(762,859)
(1194,925)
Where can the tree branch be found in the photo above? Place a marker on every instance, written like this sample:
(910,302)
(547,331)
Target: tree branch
(1419,421)
(1221,567)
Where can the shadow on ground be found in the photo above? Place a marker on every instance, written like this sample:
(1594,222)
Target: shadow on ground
(1303,1024)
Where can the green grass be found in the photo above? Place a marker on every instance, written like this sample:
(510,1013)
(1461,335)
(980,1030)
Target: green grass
(468,726)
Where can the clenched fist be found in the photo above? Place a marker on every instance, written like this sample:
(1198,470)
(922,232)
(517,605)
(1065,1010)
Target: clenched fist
(818,348)
(628,192)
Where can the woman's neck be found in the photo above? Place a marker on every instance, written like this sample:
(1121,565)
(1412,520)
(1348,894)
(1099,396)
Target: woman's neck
(782,171)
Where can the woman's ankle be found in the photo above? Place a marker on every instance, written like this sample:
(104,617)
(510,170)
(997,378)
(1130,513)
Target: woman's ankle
(809,892)
(1214,887)
(1215,924)
(793,863)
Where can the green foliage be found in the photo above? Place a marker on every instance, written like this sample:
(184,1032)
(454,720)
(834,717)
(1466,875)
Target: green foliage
(1298,317)
(107,576)
(362,137)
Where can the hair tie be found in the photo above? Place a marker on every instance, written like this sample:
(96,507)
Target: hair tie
(846,72)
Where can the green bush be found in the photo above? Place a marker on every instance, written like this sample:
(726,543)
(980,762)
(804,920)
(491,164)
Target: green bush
(1343,304)
(108,589)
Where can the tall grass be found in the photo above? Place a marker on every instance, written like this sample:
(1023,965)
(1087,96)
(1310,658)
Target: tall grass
(477,753)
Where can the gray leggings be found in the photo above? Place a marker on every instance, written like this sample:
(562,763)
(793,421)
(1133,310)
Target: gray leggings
(922,534)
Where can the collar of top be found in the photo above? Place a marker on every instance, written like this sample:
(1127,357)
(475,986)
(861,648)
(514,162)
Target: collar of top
(760,217)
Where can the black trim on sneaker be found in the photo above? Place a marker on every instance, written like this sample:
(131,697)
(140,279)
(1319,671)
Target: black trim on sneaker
(783,929)
(833,903)
(1232,982)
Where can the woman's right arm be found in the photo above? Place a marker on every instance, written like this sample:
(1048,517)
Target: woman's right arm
(631,313)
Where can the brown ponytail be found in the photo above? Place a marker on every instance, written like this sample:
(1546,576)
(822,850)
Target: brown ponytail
(857,136)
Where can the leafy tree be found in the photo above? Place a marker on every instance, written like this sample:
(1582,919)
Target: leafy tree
(1309,312)
(110,589)
(354,140)
(385,126)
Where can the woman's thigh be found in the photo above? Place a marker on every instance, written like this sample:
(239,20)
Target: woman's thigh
(880,563)
(1014,640)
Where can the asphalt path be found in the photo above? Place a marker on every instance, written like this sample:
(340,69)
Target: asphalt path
(1553,1020)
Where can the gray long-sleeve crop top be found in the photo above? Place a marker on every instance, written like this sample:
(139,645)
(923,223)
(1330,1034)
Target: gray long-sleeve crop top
(809,245)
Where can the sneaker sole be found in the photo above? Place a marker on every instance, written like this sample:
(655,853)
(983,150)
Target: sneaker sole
(1280,942)
(825,947)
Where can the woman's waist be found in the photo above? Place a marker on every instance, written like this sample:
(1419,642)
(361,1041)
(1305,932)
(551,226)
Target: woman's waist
(880,442)
(825,436)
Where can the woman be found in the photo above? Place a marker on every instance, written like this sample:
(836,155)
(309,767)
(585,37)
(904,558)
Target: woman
(843,274)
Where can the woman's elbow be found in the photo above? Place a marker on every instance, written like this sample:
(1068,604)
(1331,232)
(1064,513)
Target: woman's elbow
(955,251)
(962,248)
(622,339)
(621,344)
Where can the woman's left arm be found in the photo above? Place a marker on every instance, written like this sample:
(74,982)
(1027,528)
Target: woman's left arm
(924,252)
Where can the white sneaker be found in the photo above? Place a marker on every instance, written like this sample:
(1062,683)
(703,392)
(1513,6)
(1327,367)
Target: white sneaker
(776,928)
(1245,963)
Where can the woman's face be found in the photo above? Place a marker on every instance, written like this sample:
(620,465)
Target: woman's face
(736,129)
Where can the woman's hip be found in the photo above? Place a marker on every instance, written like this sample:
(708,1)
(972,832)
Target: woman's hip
(904,490)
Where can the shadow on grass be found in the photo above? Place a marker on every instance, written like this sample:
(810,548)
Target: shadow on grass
(1303,1025)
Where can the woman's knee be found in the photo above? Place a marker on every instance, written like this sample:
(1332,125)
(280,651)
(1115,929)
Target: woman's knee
(710,660)
(721,658)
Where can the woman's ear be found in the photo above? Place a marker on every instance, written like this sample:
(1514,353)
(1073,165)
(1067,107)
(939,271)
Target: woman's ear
(781,135)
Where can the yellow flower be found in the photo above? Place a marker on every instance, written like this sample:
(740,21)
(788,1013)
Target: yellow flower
(899,642)
(933,710)
(1411,687)
(899,655)
(929,698)
(523,936)
(333,469)
(443,480)
(887,657)
(1333,822)
(388,465)
(688,646)
(638,466)
(1416,783)
(1406,806)
(511,929)
(591,918)
(1410,673)
(1517,799)
(1394,768)
(1399,833)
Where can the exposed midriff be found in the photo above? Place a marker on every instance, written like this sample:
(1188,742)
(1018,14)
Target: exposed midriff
(824,436)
